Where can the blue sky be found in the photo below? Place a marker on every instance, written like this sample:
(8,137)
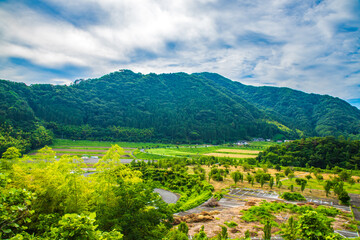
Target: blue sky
(309,45)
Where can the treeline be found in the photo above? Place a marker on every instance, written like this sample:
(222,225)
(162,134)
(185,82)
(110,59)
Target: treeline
(320,152)
(111,133)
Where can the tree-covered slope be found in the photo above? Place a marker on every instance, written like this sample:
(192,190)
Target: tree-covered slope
(316,115)
(178,107)
(201,107)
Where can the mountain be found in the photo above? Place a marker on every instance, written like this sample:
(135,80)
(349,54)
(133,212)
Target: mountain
(314,114)
(178,107)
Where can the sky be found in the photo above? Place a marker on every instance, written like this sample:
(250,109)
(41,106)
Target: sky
(309,45)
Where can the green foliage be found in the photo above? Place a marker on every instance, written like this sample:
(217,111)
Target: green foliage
(344,198)
(223,235)
(79,227)
(231,224)
(289,230)
(183,227)
(201,107)
(327,187)
(15,211)
(314,226)
(236,176)
(175,234)
(317,152)
(218,195)
(201,235)
(292,196)
(267,230)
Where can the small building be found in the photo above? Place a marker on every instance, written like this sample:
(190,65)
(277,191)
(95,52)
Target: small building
(241,143)
(258,140)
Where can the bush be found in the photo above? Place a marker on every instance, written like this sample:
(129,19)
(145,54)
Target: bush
(231,224)
(290,196)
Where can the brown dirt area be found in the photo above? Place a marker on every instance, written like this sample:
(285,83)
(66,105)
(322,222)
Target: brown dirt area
(230,155)
(237,151)
(213,219)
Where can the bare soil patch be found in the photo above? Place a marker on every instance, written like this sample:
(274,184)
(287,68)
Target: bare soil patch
(230,155)
(213,219)
(237,151)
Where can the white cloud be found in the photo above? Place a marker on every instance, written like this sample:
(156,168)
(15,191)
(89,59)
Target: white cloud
(281,43)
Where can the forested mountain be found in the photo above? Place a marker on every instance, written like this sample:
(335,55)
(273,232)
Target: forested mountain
(201,107)
(314,114)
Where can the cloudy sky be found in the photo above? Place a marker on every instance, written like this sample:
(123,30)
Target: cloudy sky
(310,45)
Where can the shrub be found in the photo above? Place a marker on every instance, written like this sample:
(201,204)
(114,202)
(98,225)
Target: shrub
(292,196)
(231,224)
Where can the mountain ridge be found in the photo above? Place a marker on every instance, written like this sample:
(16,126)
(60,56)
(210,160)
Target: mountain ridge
(175,107)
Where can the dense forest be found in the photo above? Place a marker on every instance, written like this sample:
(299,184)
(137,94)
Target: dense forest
(179,107)
(320,152)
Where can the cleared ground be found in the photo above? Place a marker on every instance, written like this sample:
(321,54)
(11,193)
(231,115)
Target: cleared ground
(242,151)
(230,155)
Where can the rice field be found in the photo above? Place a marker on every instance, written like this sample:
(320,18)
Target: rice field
(229,155)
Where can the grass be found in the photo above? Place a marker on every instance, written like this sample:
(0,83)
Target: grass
(147,156)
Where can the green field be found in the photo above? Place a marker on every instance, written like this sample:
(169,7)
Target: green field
(153,150)
(197,150)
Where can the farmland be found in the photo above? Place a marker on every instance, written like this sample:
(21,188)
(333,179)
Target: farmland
(197,172)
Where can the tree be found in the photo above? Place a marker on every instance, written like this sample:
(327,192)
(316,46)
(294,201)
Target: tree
(236,176)
(201,235)
(303,185)
(262,181)
(278,167)
(183,227)
(344,198)
(111,157)
(291,176)
(314,226)
(78,227)
(11,153)
(249,178)
(287,171)
(344,175)
(267,230)
(8,158)
(327,187)
(290,231)
(175,234)
(223,235)
(271,182)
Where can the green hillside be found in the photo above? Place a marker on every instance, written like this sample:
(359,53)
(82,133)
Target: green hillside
(201,107)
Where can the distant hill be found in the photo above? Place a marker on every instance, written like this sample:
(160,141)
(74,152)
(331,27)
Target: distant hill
(178,107)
